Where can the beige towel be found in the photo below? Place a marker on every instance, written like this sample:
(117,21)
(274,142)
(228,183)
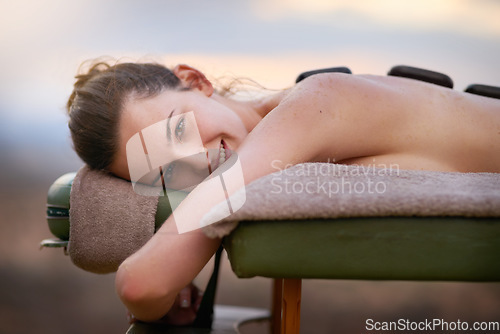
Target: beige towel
(109,221)
(335,191)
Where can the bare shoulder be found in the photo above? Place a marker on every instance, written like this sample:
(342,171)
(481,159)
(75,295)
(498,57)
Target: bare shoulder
(325,117)
(353,93)
(322,86)
(322,98)
(296,130)
(341,114)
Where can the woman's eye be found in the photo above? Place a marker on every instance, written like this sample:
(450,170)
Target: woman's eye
(179,129)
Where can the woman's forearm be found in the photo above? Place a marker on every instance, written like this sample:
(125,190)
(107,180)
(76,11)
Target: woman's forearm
(149,280)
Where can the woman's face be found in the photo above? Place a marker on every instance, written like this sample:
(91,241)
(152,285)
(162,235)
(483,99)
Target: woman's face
(190,120)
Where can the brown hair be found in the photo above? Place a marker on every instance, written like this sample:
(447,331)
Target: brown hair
(96,102)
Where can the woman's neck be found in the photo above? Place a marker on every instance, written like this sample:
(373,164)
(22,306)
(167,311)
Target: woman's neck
(253,111)
(266,104)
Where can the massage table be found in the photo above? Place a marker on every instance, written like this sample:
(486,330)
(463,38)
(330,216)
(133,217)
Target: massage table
(426,226)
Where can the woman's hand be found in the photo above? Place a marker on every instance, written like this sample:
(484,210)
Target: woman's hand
(184,309)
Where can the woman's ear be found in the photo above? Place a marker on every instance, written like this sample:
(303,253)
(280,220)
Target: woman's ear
(194,79)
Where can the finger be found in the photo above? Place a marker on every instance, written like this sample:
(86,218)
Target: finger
(130,317)
(199,297)
(185,297)
(196,297)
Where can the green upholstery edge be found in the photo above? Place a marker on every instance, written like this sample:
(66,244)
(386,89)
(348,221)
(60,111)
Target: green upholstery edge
(58,206)
(164,208)
(162,212)
(376,248)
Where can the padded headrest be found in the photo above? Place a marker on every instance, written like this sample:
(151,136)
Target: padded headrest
(104,220)
(109,221)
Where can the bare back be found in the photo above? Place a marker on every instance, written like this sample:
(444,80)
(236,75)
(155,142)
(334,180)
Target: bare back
(425,126)
(371,120)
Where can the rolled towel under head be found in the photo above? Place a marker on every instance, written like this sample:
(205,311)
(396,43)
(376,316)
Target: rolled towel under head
(104,220)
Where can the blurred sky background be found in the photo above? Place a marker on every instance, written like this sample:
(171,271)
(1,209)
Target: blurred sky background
(272,41)
(43,44)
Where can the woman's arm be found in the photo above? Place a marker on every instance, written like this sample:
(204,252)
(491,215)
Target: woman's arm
(149,280)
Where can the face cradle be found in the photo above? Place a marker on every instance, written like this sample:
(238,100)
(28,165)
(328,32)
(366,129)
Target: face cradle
(221,130)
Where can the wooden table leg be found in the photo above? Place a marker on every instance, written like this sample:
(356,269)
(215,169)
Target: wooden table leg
(290,308)
(276,305)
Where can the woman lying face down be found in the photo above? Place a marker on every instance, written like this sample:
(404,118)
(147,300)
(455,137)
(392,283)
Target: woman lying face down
(334,117)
